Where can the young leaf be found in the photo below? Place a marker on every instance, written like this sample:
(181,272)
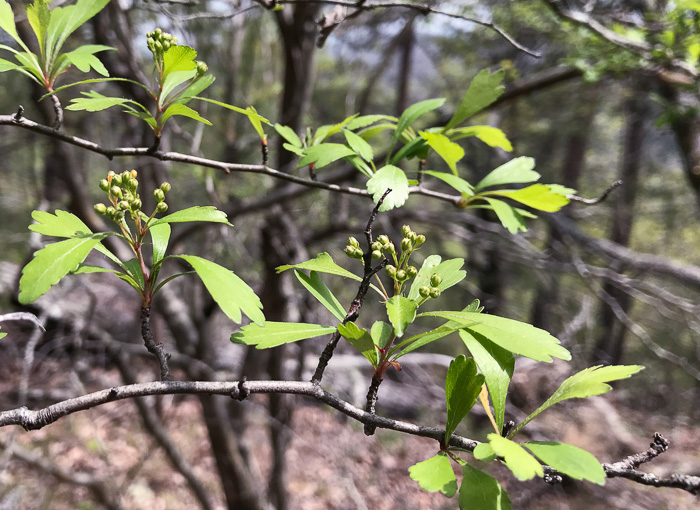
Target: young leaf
(401,312)
(450,271)
(134,270)
(52,263)
(389,177)
(324,154)
(178,58)
(173,80)
(66,20)
(365,120)
(324,132)
(414,111)
(491,136)
(59,224)
(481,492)
(360,339)
(160,235)
(250,112)
(523,465)
(185,111)
(2,334)
(231,293)
(569,460)
(537,196)
(455,181)
(7,23)
(39,17)
(84,58)
(449,151)
(320,291)
(381,333)
(508,215)
(421,339)
(323,263)
(273,334)
(587,383)
(514,336)
(484,452)
(288,134)
(195,88)
(95,102)
(416,148)
(497,365)
(462,387)
(435,474)
(207,213)
(484,89)
(517,170)
(357,144)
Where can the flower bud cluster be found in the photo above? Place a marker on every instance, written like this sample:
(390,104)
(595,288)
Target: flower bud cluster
(159,42)
(122,191)
(432,291)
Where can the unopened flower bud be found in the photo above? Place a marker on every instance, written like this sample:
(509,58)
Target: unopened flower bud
(390,271)
(159,46)
(424,291)
(411,271)
(173,40)
(117,180)
(119,215)
(357,253)
(135,204)
(110,174)
(390,248)
(401,275)
(165,187)
(161,207)
(100,208)
(104,184)
(353,242)
(124,205)
(201,67)
(406,245)
(420,239)
(383,239)
(158,195)
(376,245)
(412,236)
(349,250)
(435,280)
(405,230)
(133,183)
(111,211)
(116,191)
(157,31)
(434,292)
(376,254)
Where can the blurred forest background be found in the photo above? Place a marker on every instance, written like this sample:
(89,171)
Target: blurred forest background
(616,282)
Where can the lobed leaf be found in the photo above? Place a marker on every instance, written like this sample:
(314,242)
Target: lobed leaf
(184,111)
(450,271)
(172,81)
(455,181)
(178,58)
(320,291)
(84,58)
(523,465)
(508,215)
(569,460)
(197,213)
(483,90)
(479,491)
(288,134)
(231,293)
(449,151)
(59,224)
(325,154)
(490,135)
(273,334)
(359,145)
(435,474)
(462,388)
(414,111)
(537,196)
(95,102)
(401,312)
(387,177)
(323,263)
(516,171)
(66,20)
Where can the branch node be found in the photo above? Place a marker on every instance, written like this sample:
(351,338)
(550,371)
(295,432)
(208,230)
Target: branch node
(18,115)
(371,405)
(242,392)
(113,394)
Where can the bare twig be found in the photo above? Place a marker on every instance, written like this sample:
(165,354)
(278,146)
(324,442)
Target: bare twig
(155,348)
(371,404)
(22,316)
(593,201)
(354,310)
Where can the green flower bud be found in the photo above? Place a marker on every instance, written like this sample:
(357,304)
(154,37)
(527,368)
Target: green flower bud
(406,245)
(201,67)
(435,280)
(117,180)
(116,191)
(405,230)
(376,254)
(383,239)
(424,291)
(135,204)
(401,275)
(158,195)
(110,174)
(411,271)
(133,183)
(353,242)
(390,271)
(104,184)
(165,187)
(111,211)
(389,248)
(412,236)
(377,246)
(173,40)
(166,46)
(124,205)
(349,251)
(357,253)
(420,239)
(161,207)
(157,31)
(159,46)
(434,292)
(119,215)
(100,208)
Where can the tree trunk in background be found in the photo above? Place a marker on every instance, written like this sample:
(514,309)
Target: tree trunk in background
(576,145)
(406,56)
(609,346)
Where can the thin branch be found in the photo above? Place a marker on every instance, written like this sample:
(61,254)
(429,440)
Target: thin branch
(155,348)
(424,9)
(593,201)
(34,420)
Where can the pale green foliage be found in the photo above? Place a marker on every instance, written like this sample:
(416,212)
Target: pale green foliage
(462,387)
(479,491)
(435,474)
(273,334)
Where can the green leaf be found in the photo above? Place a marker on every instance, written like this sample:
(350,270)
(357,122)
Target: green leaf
(449,151)
(66,20)
(416,148)
(195,88)
(134,269)
(484,89)
(537,196)
(95,102)
(252,115)
(381,333)
(435,474)
(324,154)
(455,181)
(421,339)
(323,263)
(84,58)
(462,388)
(365,120)
(491,136)
(178,58)
(414,111)
(2,334)
(288,134)
(7,23)
(52,263)
(39,17)
(256,121)
(324,132)
(450,271)
(561,190)
(160,235)
(497,365)
(6,65)
(401,312)
(389,177)
(569,460)
(358,144)
(273,334)
(231,293)
(514,336)
(484,452)
(517,170)
(587,383)
(320,291)
(207,213)
(59,224)
(360,339)
(185,111)
(172,81)
(508,215)
(479,491)
(523,465)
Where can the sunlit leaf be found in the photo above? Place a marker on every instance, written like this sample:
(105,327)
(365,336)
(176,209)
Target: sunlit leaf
(173,80)
(360,339)
(449,151)
(569,460)
(523,465)
(196,213)
(414,111)
(435,474)
(323,263)
(59,224)
(320,291)
(273,334)
(516,171)
(462,387)
(185,111)
(325,154)
(483,90)
(537,196)
(450,271)
(178,58)
(84,58)
(401,312)
(389,177)
(359,145)
(490,135)
(455,181)
(479,491)
(508,215)
(288,134)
